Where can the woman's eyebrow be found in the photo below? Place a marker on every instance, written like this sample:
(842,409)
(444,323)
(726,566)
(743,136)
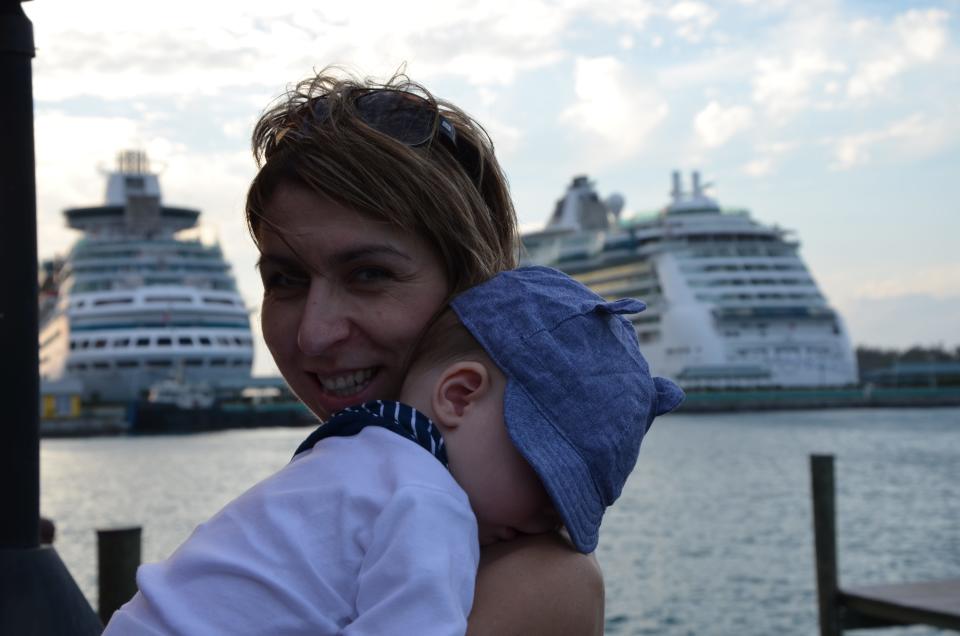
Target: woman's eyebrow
(343,257)
(277,260)
(365,251)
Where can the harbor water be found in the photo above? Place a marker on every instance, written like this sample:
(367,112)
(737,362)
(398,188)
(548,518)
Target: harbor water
(712,534)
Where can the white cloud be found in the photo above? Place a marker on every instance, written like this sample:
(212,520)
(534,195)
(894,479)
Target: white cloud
(197,48)
(915,37)
(871,78)
(914,136)
(938,281)
(923,33)
(768,154)
(692,18)
(715,124)
(62,143)
(758,167)
(613,109)
(783,87)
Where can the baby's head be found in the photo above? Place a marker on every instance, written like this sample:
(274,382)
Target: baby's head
(542,396)
(455,383)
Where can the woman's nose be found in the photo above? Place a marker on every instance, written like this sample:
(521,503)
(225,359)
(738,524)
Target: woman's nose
(324,322)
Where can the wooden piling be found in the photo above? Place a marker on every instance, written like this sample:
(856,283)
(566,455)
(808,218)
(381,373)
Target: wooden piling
(825,544)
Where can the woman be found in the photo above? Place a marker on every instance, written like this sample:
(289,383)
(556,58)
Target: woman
(374,205)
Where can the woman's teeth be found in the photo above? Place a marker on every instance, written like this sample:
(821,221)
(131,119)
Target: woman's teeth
(346,384)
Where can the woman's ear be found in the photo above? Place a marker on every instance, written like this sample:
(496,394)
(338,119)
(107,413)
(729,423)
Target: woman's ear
(459,386)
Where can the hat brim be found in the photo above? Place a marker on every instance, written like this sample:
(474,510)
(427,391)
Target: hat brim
(564,474)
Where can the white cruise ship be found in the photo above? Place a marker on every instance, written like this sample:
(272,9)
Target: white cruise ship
(730,303)
(136,302)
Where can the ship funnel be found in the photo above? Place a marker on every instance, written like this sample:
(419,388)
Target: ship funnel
(697,189)
(677,191)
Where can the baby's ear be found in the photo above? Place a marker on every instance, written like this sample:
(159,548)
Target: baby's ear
(461,384)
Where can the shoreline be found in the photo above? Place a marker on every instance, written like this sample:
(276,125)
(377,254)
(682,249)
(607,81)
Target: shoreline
(819,399)
(146,419)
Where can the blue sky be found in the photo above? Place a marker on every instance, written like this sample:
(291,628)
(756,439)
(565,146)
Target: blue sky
(835,119)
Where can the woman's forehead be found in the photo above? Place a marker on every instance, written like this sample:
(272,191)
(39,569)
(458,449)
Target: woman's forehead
(295,213)
(298,221)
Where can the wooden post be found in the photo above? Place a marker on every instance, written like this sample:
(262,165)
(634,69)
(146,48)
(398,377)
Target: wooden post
(825,543)
(118,557)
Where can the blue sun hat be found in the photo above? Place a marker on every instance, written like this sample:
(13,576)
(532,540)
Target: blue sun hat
(579,395)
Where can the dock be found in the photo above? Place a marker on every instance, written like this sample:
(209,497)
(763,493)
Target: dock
(934,603)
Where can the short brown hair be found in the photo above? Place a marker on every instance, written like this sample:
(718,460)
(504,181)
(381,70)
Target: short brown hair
(469,220)
(444,339)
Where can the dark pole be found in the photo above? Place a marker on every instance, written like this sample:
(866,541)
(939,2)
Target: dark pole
(20,455)
(37,594)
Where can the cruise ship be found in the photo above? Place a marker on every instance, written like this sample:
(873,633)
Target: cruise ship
(139,301)
(730,302)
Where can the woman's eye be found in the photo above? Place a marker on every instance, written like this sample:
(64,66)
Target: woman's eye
(282,280)
(371,275)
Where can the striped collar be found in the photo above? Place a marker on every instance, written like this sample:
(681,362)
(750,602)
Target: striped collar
(395,416)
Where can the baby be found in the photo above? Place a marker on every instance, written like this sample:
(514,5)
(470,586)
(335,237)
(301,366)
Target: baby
(531,395)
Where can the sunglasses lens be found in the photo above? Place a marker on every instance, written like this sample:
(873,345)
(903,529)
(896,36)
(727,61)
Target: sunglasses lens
(405,117)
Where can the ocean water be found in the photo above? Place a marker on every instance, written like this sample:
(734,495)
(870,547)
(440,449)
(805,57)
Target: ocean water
(712,534)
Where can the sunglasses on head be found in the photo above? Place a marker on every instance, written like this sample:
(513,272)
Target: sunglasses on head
(404,117)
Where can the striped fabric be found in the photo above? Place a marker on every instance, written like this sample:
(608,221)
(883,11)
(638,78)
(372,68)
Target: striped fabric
(395,416)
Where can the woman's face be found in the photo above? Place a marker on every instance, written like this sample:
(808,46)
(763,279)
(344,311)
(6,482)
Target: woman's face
(345,296)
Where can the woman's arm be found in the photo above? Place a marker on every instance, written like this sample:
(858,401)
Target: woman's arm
(537,585)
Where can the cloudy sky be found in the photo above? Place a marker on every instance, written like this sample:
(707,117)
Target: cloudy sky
(835,119)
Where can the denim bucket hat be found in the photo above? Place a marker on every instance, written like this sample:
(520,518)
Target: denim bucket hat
(579,395)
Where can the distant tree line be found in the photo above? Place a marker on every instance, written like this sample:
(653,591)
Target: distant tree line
(875,359)
(870,358)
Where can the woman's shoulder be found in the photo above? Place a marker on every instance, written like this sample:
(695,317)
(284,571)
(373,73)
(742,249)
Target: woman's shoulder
(537,585)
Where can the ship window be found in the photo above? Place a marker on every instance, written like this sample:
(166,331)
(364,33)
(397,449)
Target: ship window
(113,301)
(239,362)
(218,362)
(101,365)
(143,342)
(122,342)
(81,366)
(193,362)
(238,340)
(127,364)
(159,363)
(100,344)
(168,299)
(204,340)
(73,345)
(164,342)
(85,344)
(185,340)
(223,341)
(217,301)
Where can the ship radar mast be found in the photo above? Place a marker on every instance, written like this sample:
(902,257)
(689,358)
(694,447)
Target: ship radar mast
(133,162)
